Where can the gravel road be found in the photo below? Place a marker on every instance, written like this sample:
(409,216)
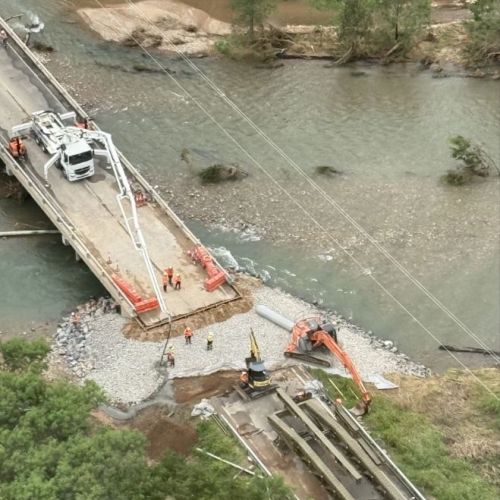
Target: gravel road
(128,369)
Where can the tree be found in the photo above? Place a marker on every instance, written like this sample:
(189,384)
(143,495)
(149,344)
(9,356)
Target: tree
(474,161)
(405,19)
(372,27)
(483,43)
(19,355)
(51,448)
(251,13)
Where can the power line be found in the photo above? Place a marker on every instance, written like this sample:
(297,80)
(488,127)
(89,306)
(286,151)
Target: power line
(324,195)
(287,194)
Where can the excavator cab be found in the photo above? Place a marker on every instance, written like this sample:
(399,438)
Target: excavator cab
(258,378)
(255,382)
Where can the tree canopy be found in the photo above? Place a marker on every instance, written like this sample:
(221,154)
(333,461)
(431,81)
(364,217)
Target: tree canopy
(252,13)
(52,449)
(369,27)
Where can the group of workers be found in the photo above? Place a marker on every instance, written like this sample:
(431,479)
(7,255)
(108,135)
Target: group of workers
(188,335)
(169,279)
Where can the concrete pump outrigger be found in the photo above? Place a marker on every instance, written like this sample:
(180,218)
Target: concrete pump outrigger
(312,333)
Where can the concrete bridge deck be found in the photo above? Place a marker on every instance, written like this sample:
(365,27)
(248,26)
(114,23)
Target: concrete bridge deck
(87,212)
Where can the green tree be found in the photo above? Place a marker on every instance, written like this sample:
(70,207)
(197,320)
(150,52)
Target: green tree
(404,19)
(252,13)
(372,27)
(474,161)
(51,448)
(483,43)
(19,355)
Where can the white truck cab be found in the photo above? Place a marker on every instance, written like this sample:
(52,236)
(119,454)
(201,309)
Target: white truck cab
(77,160)
(75,156)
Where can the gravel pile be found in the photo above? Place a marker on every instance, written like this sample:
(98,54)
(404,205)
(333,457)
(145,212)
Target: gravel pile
(128,369)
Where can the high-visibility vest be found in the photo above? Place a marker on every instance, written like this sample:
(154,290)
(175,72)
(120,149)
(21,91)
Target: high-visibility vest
(165,278)
(169,271)
(210,337)
(177,279)
(188,332)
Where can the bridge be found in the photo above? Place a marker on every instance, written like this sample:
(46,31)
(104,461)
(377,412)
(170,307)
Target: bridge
(86,212)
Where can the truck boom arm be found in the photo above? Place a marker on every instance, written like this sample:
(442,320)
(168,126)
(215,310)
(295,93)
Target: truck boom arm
(125,194)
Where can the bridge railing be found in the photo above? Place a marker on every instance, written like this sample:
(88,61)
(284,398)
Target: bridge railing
(72,103)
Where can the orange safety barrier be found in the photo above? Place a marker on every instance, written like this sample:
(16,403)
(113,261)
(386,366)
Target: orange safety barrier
(140,305)
(146,305)
(216,277)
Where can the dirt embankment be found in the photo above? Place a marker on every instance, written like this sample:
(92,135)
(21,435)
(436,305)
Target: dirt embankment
(162,24)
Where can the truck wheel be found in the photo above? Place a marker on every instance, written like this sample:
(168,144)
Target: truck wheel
(37,139)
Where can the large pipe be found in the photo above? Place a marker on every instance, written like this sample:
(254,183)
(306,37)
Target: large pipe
(274,317)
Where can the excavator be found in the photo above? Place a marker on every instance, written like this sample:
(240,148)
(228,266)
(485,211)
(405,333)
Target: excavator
(311,334)
(255,381)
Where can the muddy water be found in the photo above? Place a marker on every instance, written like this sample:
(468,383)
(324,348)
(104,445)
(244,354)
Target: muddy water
(385,128)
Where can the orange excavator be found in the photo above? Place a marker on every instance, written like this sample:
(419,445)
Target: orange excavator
(313,333)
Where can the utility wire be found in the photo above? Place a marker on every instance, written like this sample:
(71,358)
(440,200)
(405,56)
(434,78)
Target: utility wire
(323,194)
(294,201)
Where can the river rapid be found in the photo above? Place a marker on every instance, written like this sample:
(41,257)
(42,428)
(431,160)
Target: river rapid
(385,128)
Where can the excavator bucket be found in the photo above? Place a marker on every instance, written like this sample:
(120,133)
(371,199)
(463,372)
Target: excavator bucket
(360,409)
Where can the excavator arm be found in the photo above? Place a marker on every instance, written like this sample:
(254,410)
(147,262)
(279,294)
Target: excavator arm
(322,338)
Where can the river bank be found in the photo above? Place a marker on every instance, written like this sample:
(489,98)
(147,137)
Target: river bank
(125,362)
(202,30)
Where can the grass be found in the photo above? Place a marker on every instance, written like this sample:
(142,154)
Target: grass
(443,431)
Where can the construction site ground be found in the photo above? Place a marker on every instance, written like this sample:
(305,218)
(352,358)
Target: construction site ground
(249,418)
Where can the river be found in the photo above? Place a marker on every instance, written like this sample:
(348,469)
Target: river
(386,128)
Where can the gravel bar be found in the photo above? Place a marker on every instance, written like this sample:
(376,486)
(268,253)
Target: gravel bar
(128,372)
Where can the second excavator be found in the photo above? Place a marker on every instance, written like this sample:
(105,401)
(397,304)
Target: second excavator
(312,334)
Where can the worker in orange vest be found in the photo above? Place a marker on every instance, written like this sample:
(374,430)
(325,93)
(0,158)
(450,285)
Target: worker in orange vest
(244,378)
(164,279)
(177,282)
(170,274)
(188,333)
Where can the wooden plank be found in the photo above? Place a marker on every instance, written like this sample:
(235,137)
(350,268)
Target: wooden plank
(329,421)
(294,408)
(290,435)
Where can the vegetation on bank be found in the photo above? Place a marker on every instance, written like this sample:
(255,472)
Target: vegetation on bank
(444,432)
(483,44)
(388,30)
(51,447)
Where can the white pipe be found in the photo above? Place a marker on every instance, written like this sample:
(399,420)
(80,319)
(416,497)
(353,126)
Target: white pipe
(274,317)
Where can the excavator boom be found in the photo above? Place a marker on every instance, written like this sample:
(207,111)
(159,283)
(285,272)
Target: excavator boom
(322,338)
(308,330)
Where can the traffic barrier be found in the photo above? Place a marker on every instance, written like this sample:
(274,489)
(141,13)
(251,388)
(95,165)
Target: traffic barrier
(140,305)
(146,305)
(216,277)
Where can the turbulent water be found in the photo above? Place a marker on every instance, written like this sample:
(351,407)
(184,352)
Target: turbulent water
(385,128)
